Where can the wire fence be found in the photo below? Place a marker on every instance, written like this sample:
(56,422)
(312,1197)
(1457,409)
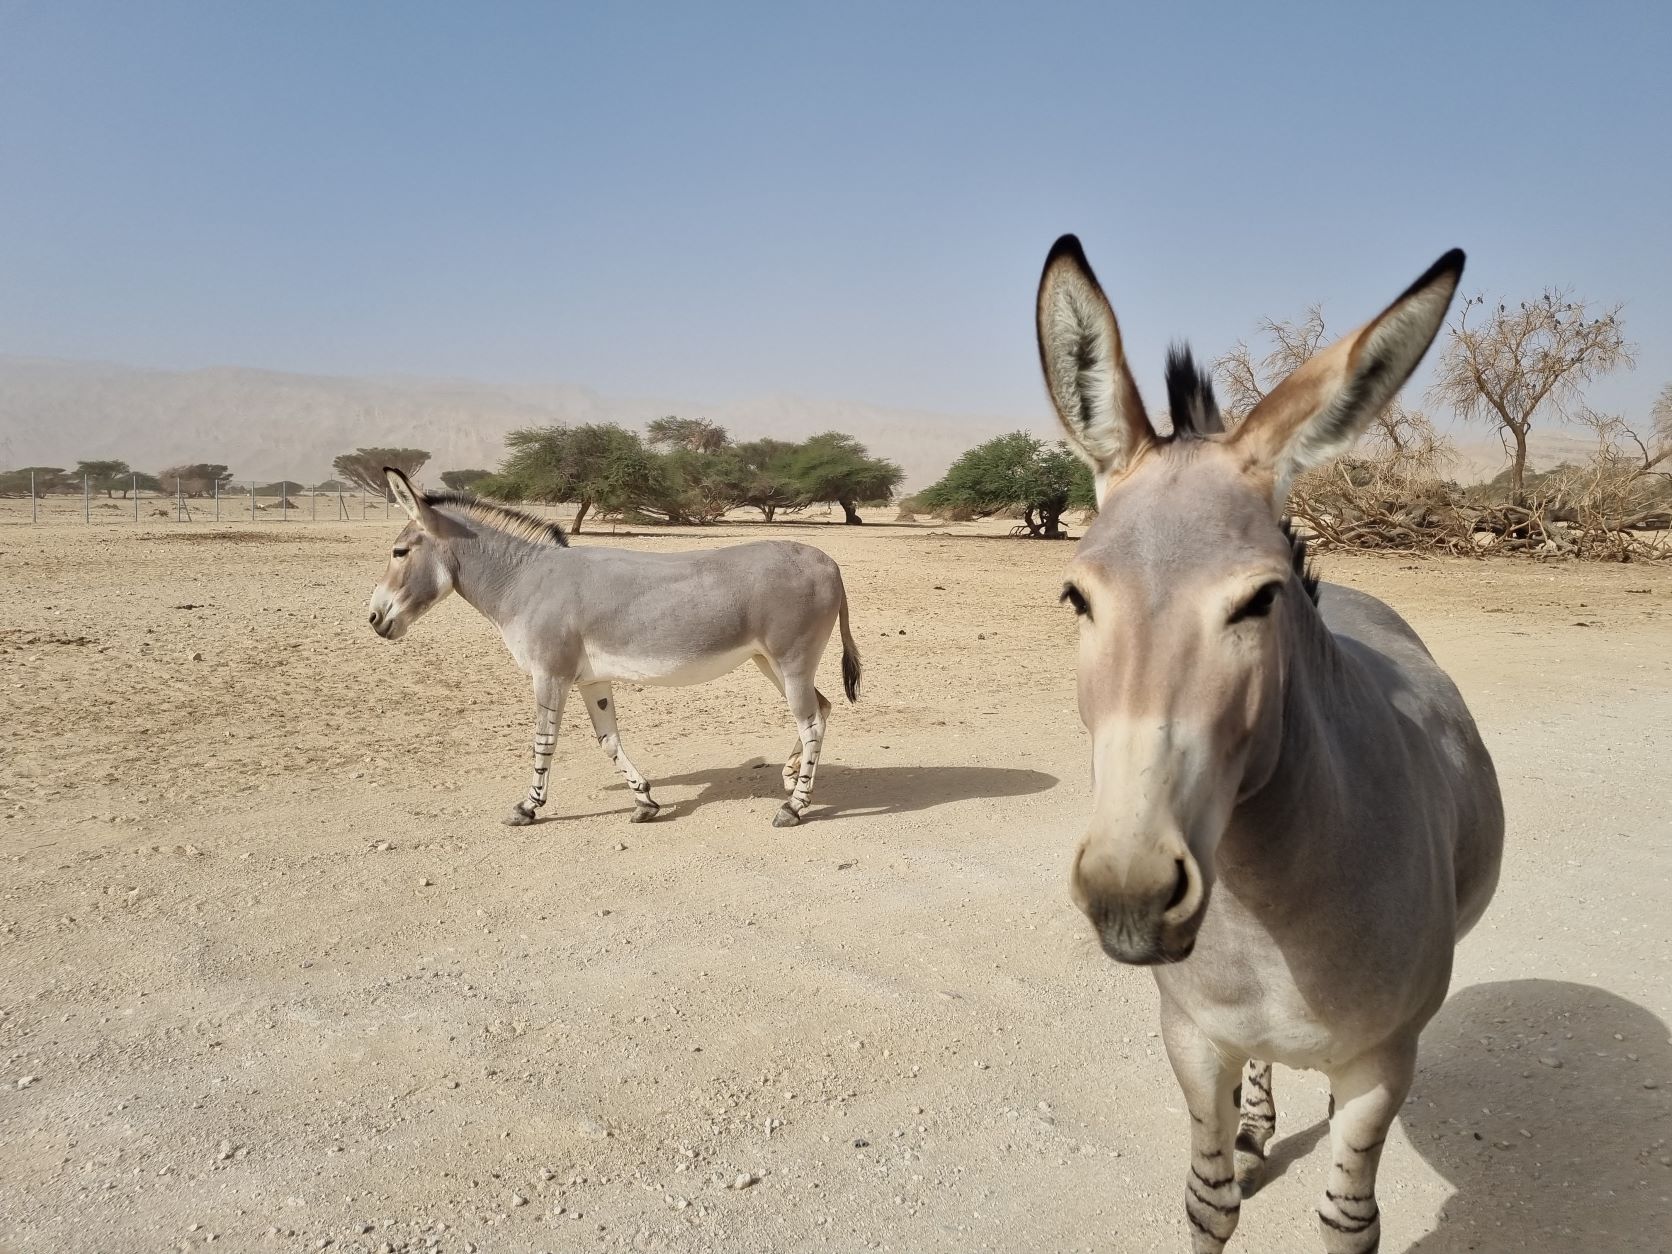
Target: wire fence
(69,500)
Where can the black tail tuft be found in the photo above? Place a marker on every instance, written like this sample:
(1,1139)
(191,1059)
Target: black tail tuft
(850,672)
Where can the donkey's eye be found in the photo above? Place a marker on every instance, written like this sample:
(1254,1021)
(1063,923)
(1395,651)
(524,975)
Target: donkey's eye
(1258,605)
(1073,596)
(402,552)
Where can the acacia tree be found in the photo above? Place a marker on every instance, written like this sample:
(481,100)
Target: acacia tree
(594,466)
(1514,365)
(836,467)
(196,478)
(105,476)
(364,467)
(764,475)
(463,480)
(1016,472)
(44,479)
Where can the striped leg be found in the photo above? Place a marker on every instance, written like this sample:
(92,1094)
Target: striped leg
(792,764)
(549,696)
(1366,1095)
(1259,1122)
(1212,1202)
(600,704)
(808,708)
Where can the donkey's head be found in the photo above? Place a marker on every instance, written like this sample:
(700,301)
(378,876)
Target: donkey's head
(1184,583)
(420,571)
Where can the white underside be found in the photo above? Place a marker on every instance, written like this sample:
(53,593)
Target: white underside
(601,666)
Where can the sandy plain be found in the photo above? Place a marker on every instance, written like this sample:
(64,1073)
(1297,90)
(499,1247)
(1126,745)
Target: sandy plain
(274,978)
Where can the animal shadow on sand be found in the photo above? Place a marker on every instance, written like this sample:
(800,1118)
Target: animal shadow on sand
(1530,1100)
(854,790)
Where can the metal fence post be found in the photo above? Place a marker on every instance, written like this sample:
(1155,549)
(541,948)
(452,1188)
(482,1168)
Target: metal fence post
(217,498)
(86,509)
(313,503)
(179,501)
(252,500)
(34,501)
(284,500)
(133,490)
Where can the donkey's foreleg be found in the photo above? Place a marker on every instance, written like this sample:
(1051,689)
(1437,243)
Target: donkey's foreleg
(600,704)
(1259,1121)
(549,696)
(1366,1094)
(808,709)
(1212,1201)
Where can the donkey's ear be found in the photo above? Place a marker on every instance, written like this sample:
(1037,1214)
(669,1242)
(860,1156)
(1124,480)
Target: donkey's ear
(410,499)
(1085,369)
(1319,410)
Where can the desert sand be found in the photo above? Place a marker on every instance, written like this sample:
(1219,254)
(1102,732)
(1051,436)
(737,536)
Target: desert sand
(274,978)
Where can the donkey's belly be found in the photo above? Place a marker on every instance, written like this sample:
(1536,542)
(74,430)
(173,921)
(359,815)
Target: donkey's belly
(601,665)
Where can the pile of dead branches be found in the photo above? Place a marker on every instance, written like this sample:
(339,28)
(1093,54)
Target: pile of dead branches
(1615,506)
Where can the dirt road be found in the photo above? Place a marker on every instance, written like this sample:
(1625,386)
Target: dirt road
(274,978)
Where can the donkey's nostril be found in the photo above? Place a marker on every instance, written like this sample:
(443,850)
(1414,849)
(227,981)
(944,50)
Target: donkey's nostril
(373,619)
(1181,887)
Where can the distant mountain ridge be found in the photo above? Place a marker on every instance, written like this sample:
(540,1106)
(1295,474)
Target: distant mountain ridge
(265,424)
(269,424)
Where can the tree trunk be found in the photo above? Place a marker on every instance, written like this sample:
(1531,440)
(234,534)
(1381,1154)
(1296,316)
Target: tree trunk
(1051,523)
(769,511)
(1028,518)
(1518,469)
(850,514)
(580,516)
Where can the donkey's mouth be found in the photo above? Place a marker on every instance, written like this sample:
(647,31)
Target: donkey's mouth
(1152,954)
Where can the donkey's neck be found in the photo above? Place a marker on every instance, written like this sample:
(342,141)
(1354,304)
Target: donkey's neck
(487,564)
(1271,832)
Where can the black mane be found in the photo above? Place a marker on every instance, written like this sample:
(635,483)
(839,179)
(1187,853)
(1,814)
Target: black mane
(509,518)
(1301,559)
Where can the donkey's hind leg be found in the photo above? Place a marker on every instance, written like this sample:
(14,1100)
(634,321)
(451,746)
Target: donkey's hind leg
(808,707)
(792,764)
(600,704)
(1258,1123)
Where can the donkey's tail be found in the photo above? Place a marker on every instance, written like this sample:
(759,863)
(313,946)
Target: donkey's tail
(850,654)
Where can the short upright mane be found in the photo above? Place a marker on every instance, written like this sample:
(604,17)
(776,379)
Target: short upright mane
(1190,397)
(506,518)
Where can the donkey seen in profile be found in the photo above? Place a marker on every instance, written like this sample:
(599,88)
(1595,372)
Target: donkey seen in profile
(588,618)
(1294,819)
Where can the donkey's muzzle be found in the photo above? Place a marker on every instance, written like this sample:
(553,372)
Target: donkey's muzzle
(1146,910)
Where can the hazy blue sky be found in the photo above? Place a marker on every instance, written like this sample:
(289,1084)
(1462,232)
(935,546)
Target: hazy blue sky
(840,200)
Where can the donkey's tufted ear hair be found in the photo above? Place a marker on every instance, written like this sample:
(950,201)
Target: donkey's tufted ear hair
(410,499)
(1085,368)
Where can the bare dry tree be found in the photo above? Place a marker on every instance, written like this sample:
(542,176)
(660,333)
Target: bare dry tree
(1246,381)
(1513,365)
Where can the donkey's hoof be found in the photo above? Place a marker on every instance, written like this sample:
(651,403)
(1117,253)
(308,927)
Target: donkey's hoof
(518,817)
(786,817)
(643,814)
(1251,1169)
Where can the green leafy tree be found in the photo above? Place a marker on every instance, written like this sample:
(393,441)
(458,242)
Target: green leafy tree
(364,466)
(104,476)
(196,478)
(463,480)
(45,479)
(598,466)
(763,472)
(1016,472)
(836,467)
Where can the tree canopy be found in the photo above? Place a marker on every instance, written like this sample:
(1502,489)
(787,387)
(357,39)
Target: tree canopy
(364,466)
(1017,472)
(835,467)
(463,480)
(195,478)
